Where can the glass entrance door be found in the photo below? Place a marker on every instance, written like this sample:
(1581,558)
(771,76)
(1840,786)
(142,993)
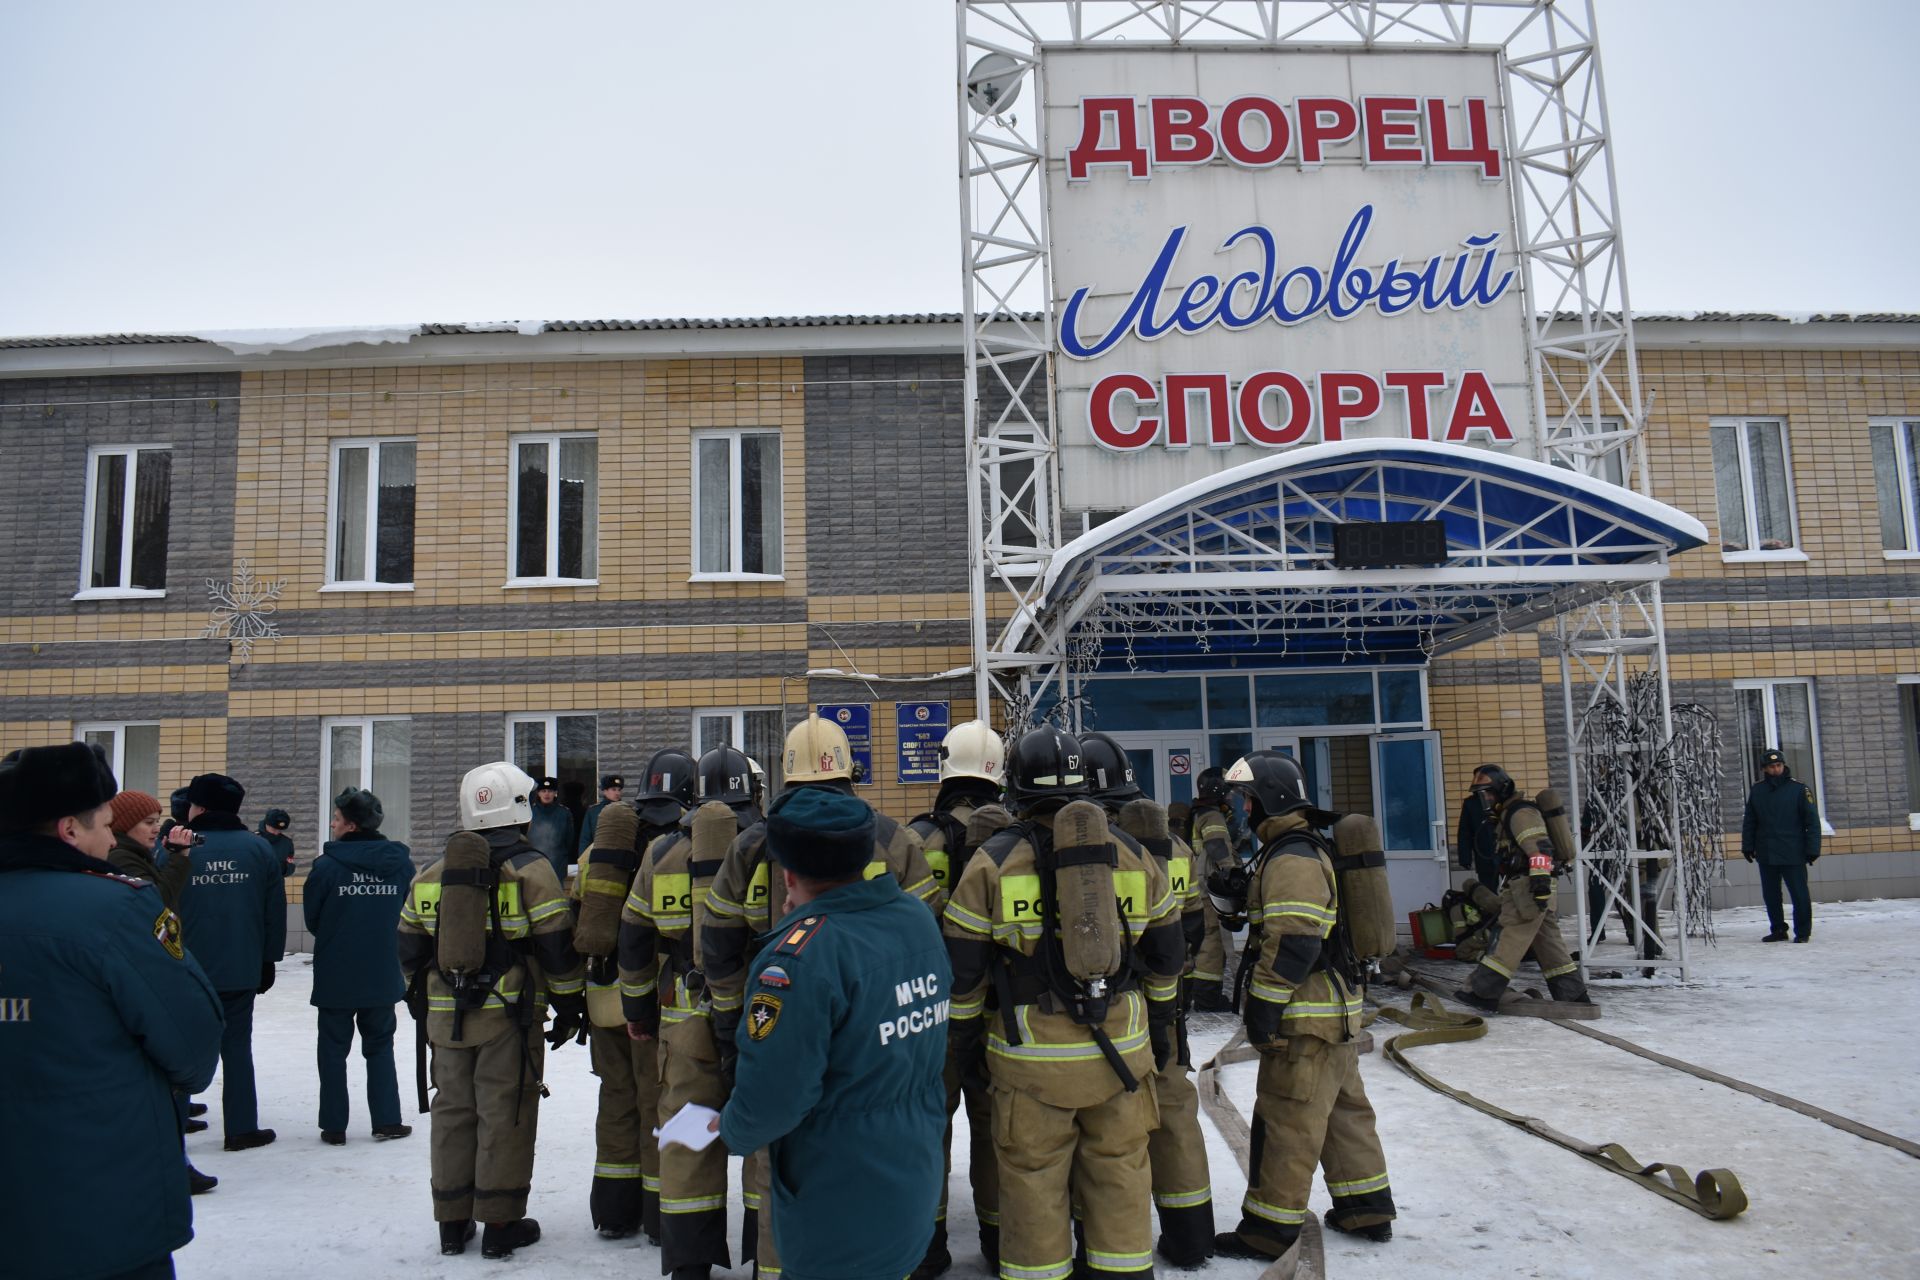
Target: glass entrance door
(1165,765)
(1412,815)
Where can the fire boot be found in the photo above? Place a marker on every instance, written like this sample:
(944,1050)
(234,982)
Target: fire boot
(501,1238)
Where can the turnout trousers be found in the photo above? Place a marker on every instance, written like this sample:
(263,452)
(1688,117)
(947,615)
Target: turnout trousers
(486,1114)
(1210,965)
(1177,1154)
(983,1166)
(693,1184)
(1527,928)
(1098,1155)
(1311,1110)
(756,1225)
(626,1159)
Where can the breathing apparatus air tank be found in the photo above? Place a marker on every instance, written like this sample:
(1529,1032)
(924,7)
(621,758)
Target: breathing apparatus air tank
(1554,810)
(1091,936)
(606,874)
(1366,900)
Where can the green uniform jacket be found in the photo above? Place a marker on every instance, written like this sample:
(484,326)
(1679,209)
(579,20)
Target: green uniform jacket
(1782,823)
(129,858)
(841,1052)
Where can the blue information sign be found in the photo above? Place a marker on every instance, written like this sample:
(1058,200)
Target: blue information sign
(922,727)
(856,721)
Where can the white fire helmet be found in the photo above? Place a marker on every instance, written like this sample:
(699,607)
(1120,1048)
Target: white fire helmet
(759,778)
(817,751)
(973,750)
(495,795)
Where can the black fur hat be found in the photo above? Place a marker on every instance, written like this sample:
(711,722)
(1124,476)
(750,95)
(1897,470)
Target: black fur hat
(216,791)
(360,807)
(42,784)
(820,833)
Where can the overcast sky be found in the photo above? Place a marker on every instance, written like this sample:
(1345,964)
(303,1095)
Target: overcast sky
(194,165)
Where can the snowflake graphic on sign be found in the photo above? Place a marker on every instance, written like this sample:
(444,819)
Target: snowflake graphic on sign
(243,609)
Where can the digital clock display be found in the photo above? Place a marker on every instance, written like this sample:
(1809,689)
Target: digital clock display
(1389,543)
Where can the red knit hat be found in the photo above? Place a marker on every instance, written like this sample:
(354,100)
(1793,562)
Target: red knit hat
(130,809)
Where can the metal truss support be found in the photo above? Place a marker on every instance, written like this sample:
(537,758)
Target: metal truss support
(1623,799)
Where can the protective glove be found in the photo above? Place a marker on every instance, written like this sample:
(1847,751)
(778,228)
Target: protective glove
(1747,854)
(569,1020)
(1160,1036)
(266,978)
(729,1062)
(1263,1021)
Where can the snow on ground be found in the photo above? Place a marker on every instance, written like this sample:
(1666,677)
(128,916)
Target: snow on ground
(1832,1023)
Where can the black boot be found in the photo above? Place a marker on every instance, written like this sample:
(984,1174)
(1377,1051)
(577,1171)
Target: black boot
(1186,1236)
(1378,1232)
(502,1238)
(198,1183)
(196,1126)
(938,1259)
(1211,999)
(333,1137)
(1231,1244)
(990,1246)
(196,1108)
(1778,935)
(701,1272)
(388,1132)
(615,1206)
(1470,998)
(454,1236)
(1568,989)
(258,1138)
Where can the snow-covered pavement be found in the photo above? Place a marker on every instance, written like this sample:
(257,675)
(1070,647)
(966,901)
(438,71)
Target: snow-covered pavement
(1832,1023)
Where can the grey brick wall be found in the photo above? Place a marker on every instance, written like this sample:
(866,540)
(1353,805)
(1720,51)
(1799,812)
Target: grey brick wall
(47,426)
(886,475)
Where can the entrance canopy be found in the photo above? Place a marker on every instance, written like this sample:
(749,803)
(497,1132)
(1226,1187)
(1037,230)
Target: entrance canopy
(1241,564)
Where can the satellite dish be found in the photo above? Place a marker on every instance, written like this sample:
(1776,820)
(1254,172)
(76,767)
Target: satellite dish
(994,83)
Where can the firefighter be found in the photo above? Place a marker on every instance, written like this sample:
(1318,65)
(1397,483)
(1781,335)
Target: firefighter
(1525,852)
(487,938)
(626,1172)
(972,762)
(1074,929)
(664,997)
(748,898)
(1177,1151)
(1210,834)
(1303,1014)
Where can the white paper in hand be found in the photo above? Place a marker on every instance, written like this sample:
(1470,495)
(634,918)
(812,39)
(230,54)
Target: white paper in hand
(688,1127)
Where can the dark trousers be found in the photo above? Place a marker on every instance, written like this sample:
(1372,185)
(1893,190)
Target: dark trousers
(1794,876)
(239,1107)
(376,1046)
(158,1269)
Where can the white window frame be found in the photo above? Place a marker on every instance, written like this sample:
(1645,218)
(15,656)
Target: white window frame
(327,725)
(372,445)
(1753,552)
(1906,462)
(552,577)
(736,549)
(128,455)
(550,720)
(1902,683)
(1770,712)
(118,728)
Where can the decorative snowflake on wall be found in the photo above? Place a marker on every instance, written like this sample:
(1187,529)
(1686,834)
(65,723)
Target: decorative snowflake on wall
(243,609)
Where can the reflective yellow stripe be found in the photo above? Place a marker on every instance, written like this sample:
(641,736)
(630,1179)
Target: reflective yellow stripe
(566,986)
(645,988)
(1560,969)
(616,1171)
(547,910)
(693,1204)
(967,920)
(1183,1199)
(1496,966)
(610,888)
(1046,1271)
(1273,1212)
(1378,1182)
(1119,1261)
(873,871)
(1073,1051)
(1269,993)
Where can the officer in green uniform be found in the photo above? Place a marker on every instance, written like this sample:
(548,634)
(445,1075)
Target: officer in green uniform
(966,811)
(841,1050)
(1781,832)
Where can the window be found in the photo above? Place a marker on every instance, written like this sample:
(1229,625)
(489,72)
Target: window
(736,504)
(129,493)
(566,747)
(1780,713)
(133,750)
(376,754)
(1910,741)
(1020,502)
(370,515)
(758,731)
(1753,481)
(1894,445)
(1611,465)
(555,510)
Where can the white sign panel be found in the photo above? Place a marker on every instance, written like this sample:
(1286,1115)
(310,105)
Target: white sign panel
(1252,250)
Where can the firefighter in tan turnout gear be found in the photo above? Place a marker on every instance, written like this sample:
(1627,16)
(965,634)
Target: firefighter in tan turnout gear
(1302,1014)
(748,898)
(1211,838)
(1524,849)
(626,1163)
(965,812)
(1073,928)
(1177,1151)
(664,996)
(486,939)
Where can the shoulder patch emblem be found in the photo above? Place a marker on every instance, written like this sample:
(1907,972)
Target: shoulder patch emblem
(774,976)
(762,1015)
(166,931)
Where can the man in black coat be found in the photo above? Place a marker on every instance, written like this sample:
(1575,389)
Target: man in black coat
(1781,832)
